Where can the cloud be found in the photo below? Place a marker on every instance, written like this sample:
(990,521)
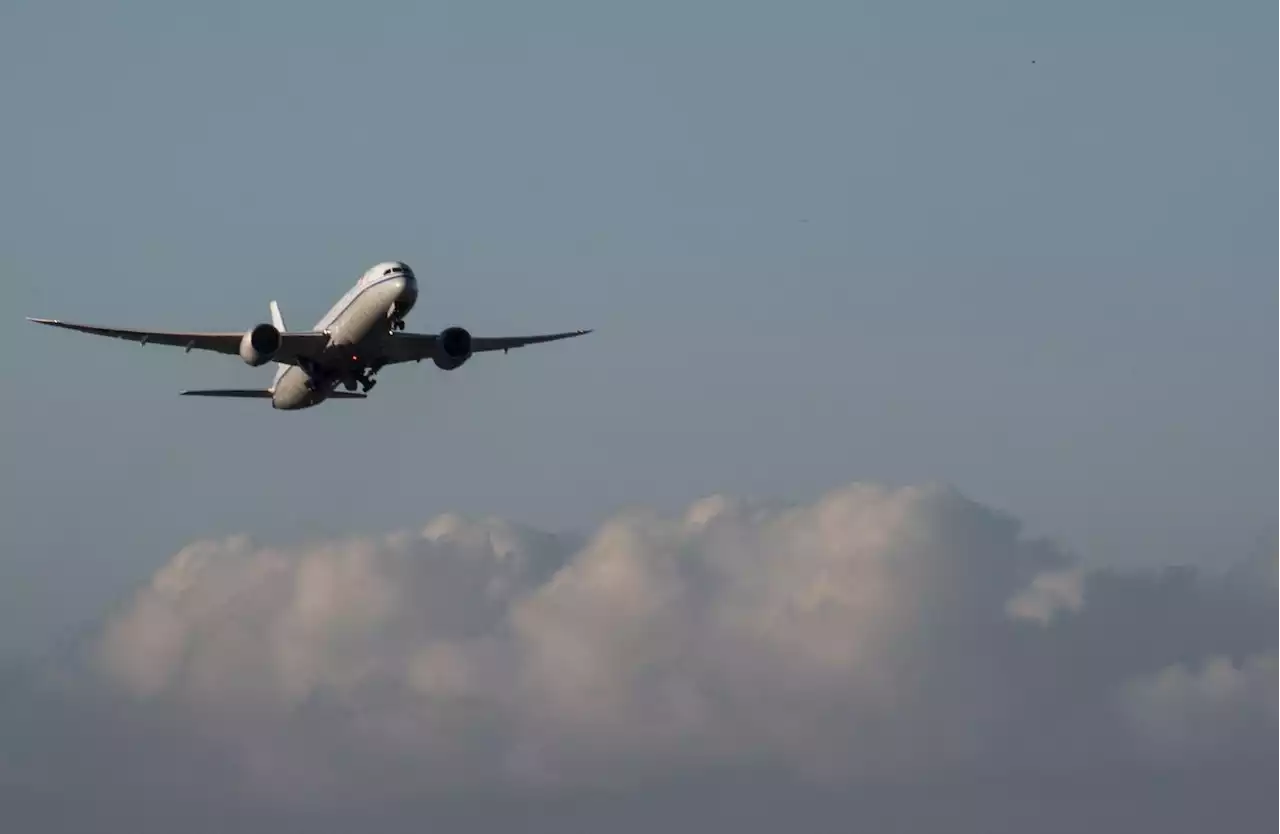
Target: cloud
(872,636)
(1049,593)
(825,638)
(1217,705)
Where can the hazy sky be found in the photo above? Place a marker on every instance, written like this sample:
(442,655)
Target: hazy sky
(821,242)
(1024,249)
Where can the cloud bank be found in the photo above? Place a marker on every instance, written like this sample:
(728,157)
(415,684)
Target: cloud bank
(874,636)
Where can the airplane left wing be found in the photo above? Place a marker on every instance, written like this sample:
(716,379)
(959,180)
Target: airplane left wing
(411,347)
(293,346)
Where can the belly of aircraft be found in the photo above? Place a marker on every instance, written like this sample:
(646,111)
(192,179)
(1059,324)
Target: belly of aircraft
(354,336)
(293,393)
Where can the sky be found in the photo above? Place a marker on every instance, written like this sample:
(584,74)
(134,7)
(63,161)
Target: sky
(1023,251)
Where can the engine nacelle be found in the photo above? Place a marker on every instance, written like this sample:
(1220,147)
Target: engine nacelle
(455,348)
(259,345)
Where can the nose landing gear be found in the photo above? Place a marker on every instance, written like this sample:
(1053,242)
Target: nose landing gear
(395,317)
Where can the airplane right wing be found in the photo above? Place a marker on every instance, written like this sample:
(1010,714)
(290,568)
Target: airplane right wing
(411,347)
(293,346)
(482,344)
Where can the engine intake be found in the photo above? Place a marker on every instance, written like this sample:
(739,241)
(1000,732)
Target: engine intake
(259,345)
(455,348)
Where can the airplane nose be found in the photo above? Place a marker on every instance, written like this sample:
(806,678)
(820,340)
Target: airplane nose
(400,283)
(407,293)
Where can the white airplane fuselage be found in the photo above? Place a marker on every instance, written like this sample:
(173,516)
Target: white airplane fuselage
(365,315)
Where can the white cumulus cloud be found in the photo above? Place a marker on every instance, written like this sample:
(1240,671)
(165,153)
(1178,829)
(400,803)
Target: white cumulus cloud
(883,658)
(872,633)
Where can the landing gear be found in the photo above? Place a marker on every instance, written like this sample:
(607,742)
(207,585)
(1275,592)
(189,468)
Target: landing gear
(315,377)
(364,377)
(396,318)
(366,380)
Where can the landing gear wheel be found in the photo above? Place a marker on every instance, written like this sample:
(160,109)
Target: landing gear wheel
(367,384)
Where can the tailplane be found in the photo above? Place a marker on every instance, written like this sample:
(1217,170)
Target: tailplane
(248,393)
(263,393)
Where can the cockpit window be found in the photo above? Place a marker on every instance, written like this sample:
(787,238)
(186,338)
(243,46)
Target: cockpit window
(399,269)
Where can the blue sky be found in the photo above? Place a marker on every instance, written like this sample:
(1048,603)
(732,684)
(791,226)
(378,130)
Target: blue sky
(1025,249)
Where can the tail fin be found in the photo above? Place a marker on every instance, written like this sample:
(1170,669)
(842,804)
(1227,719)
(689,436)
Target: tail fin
(277,321)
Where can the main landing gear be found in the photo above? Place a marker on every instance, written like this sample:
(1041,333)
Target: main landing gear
(312,382)
(364,379)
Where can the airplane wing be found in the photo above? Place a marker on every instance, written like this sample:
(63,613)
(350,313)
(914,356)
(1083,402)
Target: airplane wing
(411,347)
(293,346)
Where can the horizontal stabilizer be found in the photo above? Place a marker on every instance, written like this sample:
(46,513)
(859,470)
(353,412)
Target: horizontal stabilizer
(248,393)
(263,394)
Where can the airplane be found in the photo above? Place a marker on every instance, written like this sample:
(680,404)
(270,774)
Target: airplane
(359,336)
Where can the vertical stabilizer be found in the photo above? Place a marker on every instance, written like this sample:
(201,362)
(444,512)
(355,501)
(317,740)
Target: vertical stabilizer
(277,321)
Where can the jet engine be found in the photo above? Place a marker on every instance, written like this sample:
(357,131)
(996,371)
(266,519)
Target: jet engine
(455,348)
(259,344)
